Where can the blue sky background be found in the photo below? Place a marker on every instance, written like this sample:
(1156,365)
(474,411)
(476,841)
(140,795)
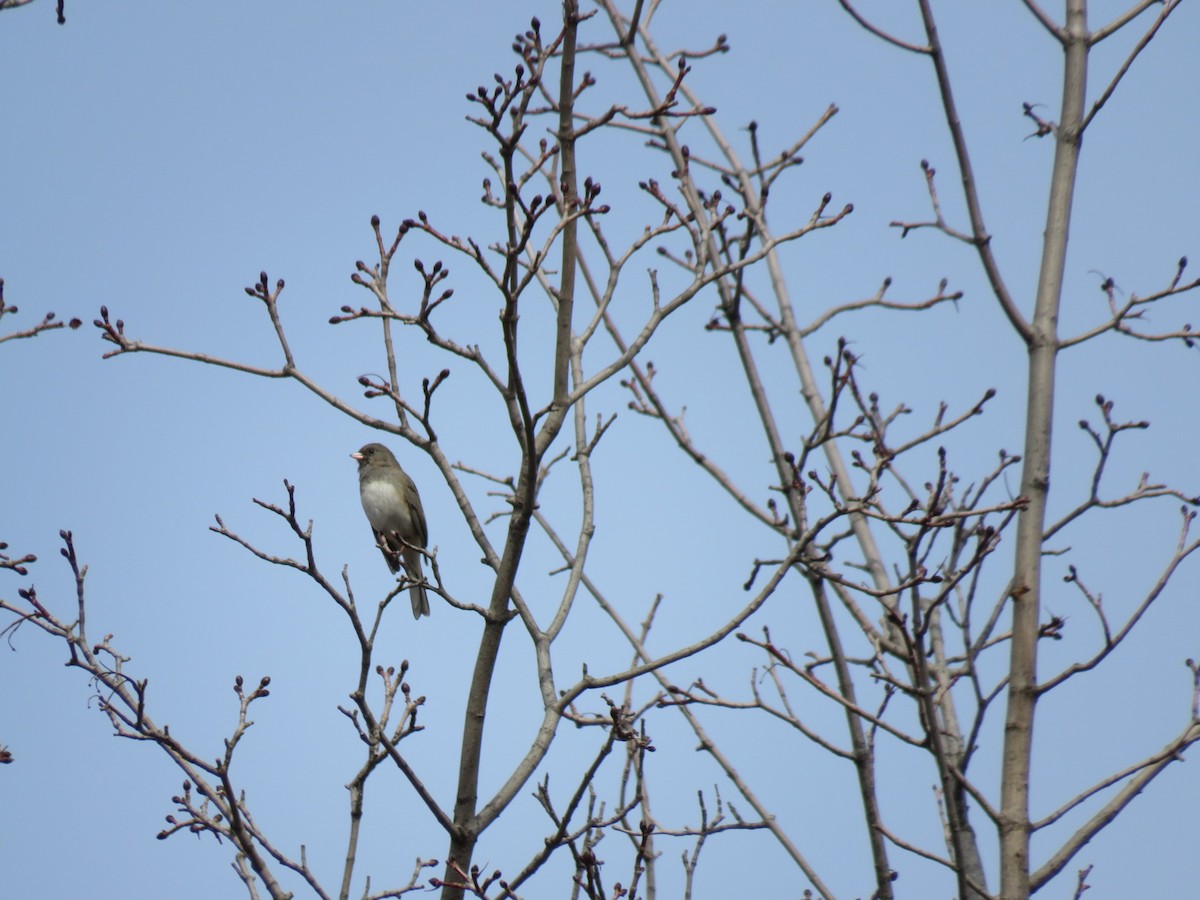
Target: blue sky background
(158,156)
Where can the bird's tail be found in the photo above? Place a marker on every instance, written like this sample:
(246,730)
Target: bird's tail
(420,601)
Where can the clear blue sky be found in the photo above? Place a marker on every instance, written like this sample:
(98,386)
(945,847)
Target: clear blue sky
(157,156)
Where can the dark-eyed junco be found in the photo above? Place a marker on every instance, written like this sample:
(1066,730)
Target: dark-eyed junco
(393,507)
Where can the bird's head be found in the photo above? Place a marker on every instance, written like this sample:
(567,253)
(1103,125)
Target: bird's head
(373,455)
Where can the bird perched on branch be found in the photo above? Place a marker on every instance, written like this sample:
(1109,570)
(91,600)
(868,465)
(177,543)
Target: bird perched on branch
(393,507)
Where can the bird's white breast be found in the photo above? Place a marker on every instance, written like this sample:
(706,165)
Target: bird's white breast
(385,507)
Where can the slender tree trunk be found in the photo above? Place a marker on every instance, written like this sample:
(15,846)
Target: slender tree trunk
(1035,478)
(468,825)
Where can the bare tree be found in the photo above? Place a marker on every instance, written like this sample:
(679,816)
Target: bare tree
(925,575)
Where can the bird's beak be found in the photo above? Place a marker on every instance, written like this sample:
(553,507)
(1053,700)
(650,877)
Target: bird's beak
(357,456)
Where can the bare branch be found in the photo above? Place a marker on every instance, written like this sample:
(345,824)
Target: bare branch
(1168,7)
(1152,768)
(1122,20)
(1052,27)
(880,33)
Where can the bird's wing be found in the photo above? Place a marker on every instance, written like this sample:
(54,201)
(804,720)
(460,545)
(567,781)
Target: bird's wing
(415,512)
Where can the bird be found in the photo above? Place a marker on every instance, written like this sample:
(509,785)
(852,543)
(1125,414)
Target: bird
(393,508)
